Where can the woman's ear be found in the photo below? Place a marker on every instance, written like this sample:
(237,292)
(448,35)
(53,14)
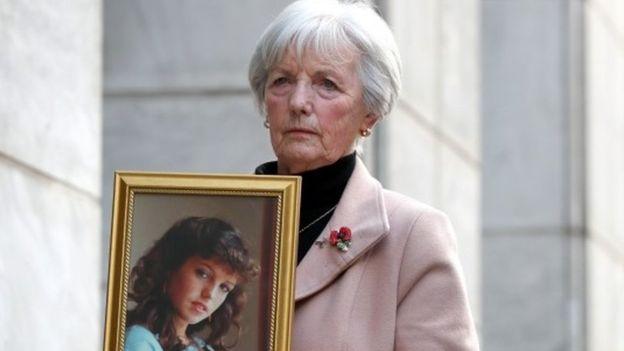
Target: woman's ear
(369,121)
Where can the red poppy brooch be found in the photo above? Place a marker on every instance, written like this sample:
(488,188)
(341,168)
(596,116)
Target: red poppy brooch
(341,239)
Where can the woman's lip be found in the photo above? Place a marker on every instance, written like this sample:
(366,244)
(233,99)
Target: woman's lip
(199,307)
(299,130)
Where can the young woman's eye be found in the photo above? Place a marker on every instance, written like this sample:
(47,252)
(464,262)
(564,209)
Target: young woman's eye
(226,288)
(202,273)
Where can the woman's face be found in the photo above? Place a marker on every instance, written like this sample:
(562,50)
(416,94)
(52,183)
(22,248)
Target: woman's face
(315,110)
(198,288)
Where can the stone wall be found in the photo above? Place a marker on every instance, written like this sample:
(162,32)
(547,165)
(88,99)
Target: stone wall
(533,268)
(50,243)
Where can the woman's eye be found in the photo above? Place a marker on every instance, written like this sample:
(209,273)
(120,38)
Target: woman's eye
(329,85)
(226,288)
(202,273)
(280,81)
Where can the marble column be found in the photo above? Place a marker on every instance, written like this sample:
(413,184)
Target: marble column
(604,86)
(50,231)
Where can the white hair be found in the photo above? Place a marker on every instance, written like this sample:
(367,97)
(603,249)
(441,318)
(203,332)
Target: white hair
(327,27)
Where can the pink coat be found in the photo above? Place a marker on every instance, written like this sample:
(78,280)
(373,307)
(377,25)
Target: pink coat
(399,287)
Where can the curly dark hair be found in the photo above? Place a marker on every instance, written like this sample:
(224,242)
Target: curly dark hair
(193,236)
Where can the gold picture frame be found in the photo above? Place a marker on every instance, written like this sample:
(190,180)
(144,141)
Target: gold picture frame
(263,208)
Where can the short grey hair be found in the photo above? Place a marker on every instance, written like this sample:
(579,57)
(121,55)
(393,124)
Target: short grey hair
(327,27)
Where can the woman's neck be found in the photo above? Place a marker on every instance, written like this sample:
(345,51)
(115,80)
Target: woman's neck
(298,166)
(180,325)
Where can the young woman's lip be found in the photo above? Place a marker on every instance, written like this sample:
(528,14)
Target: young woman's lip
(200,306)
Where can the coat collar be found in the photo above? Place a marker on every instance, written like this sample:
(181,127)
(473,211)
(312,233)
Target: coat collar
(362,209)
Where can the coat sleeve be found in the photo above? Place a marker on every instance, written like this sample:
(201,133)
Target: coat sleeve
(432,312)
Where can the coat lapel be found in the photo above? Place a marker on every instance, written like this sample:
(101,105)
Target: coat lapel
(361,208)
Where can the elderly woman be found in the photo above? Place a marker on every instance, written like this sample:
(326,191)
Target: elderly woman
(377,270)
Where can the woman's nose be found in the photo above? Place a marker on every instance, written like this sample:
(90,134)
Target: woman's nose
(206,292)
(300,102)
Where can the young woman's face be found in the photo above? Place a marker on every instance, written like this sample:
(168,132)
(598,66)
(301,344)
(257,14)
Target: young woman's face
(198,288)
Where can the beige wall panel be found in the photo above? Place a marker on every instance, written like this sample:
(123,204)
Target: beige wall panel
(604,76)
(605,285)
(50,88)
(415,24)
(411,158)
(605,130)
(459,74)
(611,13)
(50,256)
(460,199)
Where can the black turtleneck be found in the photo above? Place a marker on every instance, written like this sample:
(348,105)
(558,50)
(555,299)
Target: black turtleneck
(321,190)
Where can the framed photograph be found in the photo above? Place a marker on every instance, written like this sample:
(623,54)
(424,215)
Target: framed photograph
(201,262)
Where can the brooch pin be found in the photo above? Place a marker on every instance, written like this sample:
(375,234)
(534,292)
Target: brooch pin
(341,239)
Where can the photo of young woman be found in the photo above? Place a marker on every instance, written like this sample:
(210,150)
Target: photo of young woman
(188,288)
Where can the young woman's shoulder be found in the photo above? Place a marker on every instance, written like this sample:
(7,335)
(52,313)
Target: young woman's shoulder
(139,338)
(199,343)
